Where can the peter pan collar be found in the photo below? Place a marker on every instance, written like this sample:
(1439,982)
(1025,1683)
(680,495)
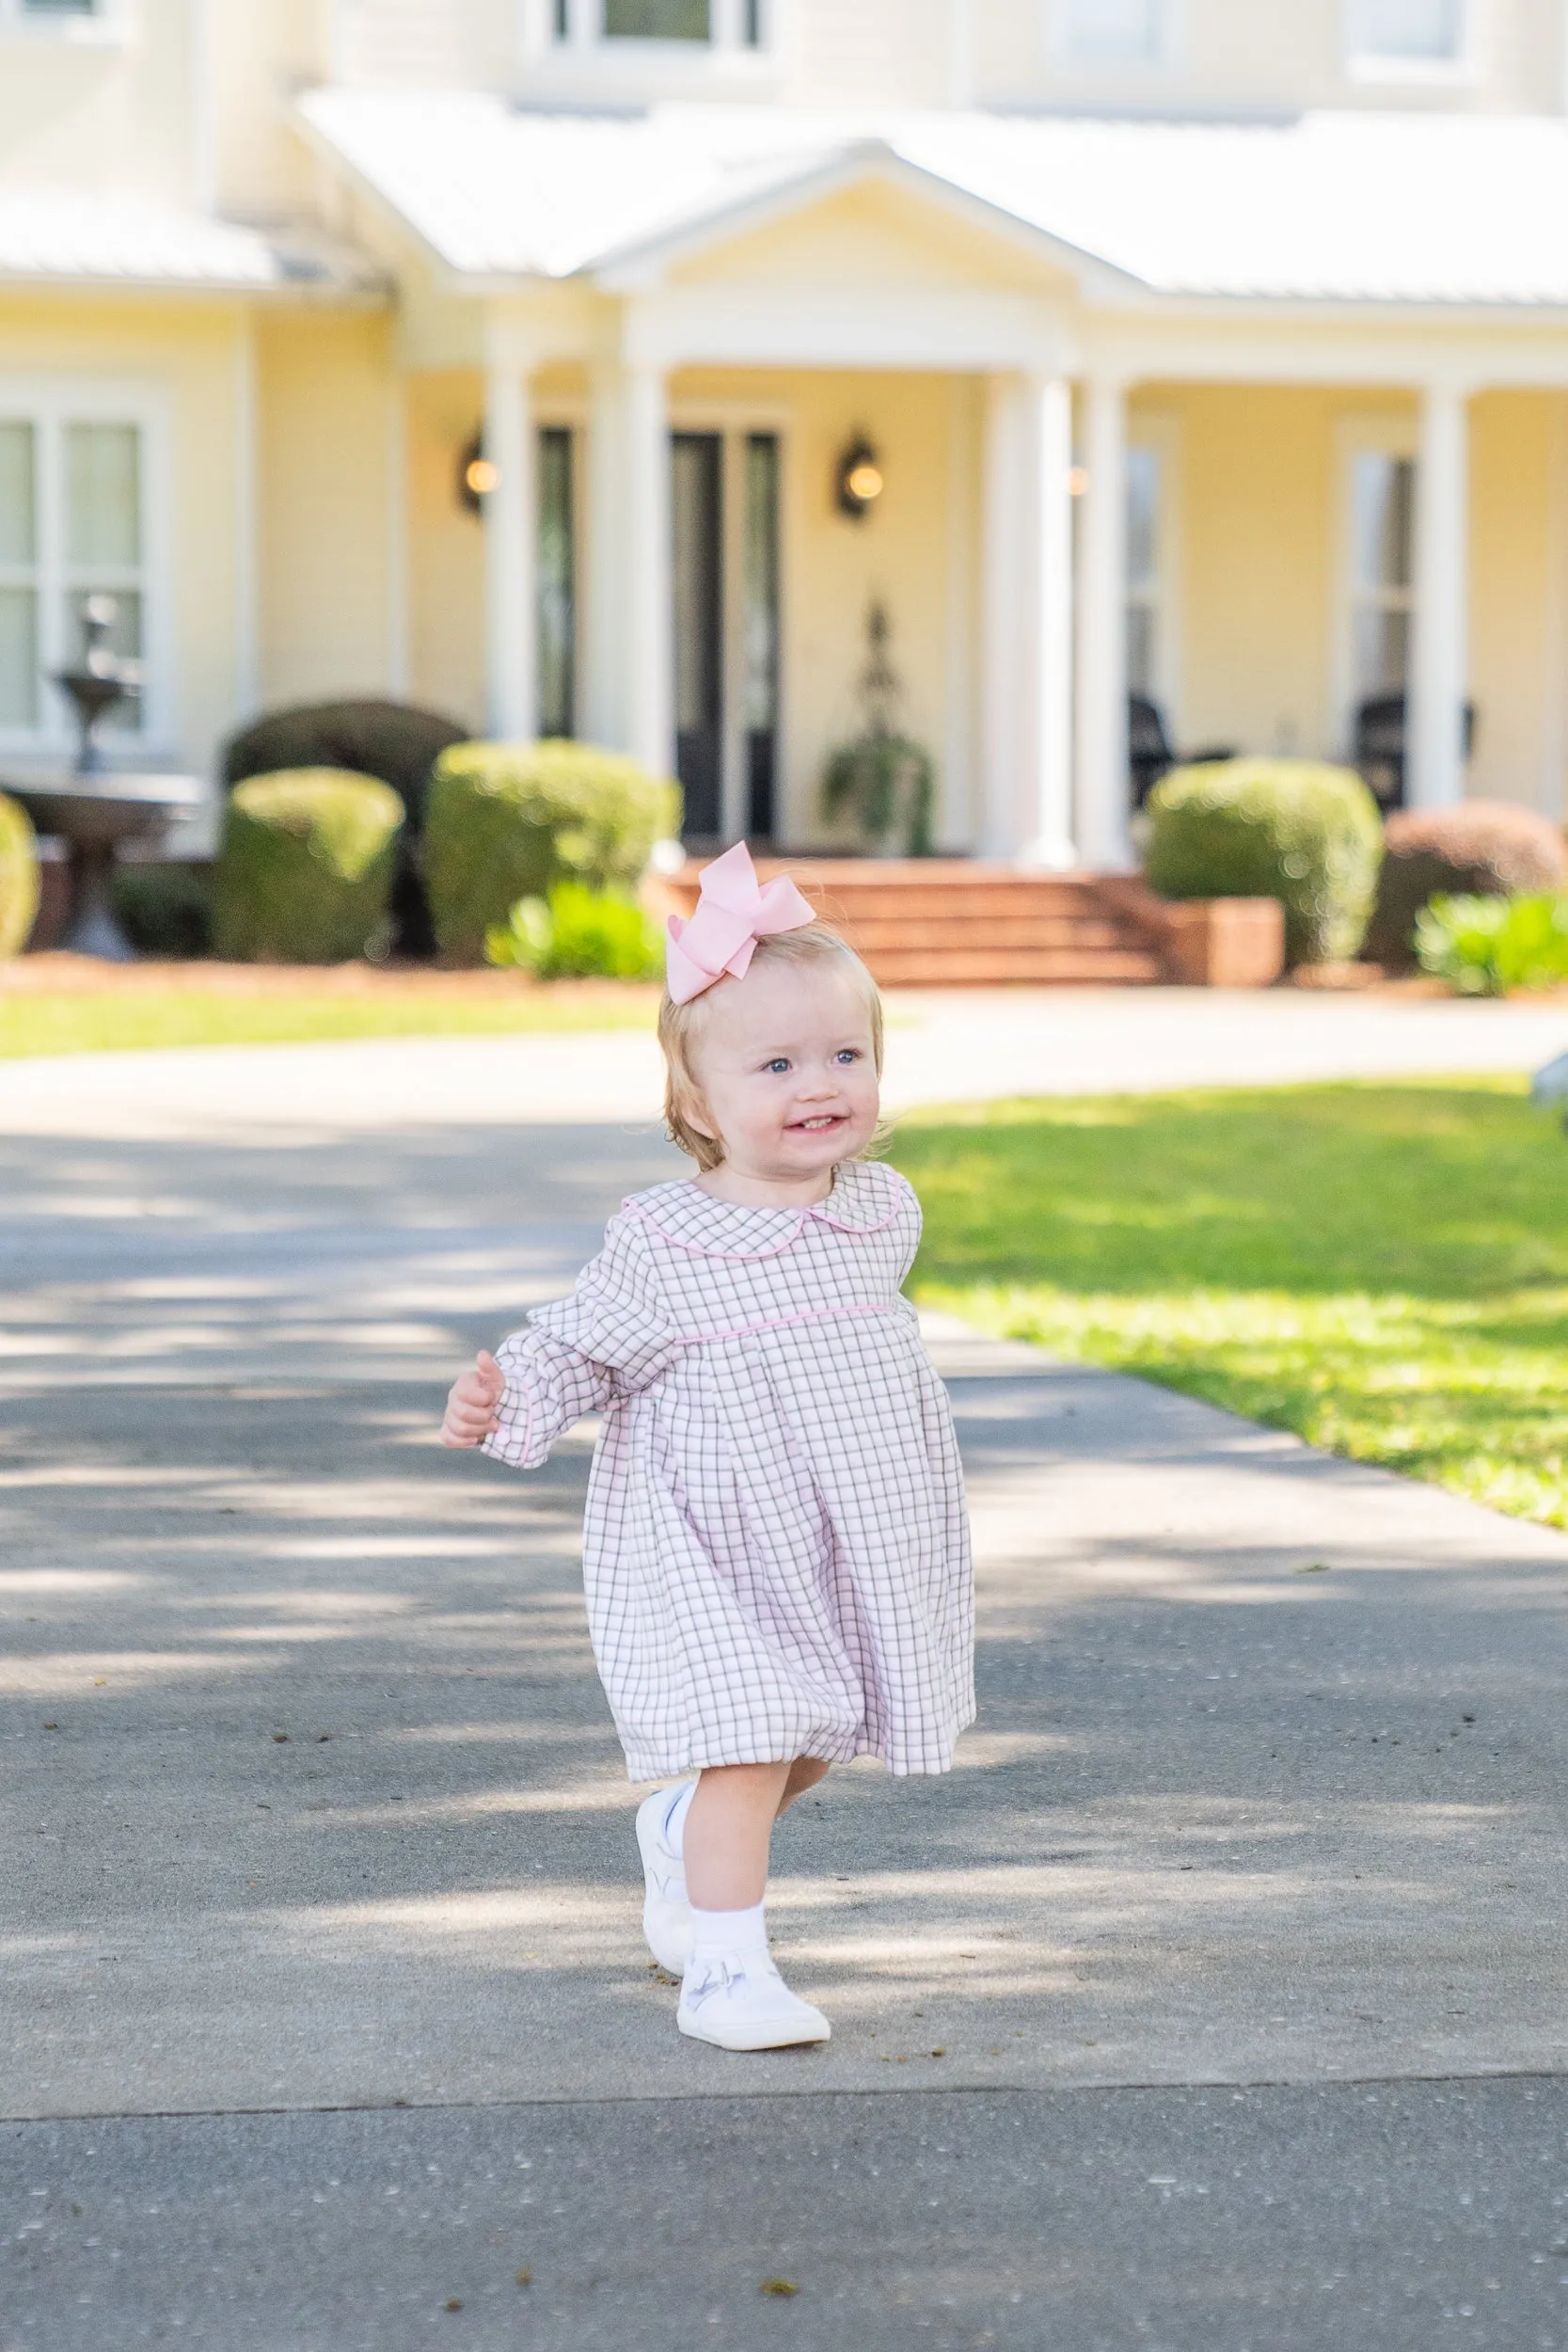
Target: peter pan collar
(865,1199)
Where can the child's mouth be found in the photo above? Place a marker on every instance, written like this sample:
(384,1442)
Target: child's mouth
(818,1126)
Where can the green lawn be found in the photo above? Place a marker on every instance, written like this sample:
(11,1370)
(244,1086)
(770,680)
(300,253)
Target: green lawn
(117,1018)
(1381,1268)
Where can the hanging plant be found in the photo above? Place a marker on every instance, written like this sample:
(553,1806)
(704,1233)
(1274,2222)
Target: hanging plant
(882,776)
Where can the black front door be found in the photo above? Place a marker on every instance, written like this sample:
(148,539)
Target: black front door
(697,514)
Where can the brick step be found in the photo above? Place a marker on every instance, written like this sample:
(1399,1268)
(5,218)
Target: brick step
(1058,967)
(949,923)
(935,935)
(1023,899)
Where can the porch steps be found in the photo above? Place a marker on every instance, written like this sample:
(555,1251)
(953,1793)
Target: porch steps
(956,923)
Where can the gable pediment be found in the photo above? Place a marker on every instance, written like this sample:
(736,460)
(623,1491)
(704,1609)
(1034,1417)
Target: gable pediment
(877,229)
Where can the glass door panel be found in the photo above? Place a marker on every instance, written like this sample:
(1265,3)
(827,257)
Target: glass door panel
(760,634)
(655,20)
(697,516)
(556,635)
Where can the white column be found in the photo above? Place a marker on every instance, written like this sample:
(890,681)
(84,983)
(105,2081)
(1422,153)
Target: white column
(1048,412)
(1103,792)
(398,665)
(998,828)
(1435,730)
(248,550)
(604,565)
(649,730)
(510,556)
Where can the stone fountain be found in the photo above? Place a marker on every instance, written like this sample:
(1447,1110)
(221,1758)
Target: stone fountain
(93,809)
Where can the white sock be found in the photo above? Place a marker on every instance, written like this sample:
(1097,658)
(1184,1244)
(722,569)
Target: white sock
(674,1818)
(729,1935)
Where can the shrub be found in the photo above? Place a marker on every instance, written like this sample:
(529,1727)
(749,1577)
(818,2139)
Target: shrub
(165,910)
(506,821)
(396,741)
(1481,849)
(578,933)
(1483,946)
(1286,829)
(19,878)
(306,868)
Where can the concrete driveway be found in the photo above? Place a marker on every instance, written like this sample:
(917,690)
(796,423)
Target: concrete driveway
(1219,1998)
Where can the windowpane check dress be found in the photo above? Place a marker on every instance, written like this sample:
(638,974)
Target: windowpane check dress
(776,1548)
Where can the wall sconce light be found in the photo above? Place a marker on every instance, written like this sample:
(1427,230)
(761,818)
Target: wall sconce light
(1077,481)
(859,482)
(476,475)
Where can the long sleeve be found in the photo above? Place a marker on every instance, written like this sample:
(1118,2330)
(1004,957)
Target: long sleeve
(580,1354)
(911,1224)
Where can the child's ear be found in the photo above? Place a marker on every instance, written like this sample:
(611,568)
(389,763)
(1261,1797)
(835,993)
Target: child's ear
(695,1113)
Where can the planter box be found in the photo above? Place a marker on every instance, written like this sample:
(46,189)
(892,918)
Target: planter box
(1225,943)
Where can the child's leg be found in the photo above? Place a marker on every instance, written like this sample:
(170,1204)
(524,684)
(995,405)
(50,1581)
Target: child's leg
(729,1823)
(804,1773)
(732,1994)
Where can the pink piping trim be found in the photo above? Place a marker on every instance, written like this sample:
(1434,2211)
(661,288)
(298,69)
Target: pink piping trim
(702,1249)
(777,1323)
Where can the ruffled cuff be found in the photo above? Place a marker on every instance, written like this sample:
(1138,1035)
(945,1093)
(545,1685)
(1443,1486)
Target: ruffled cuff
(518,1440)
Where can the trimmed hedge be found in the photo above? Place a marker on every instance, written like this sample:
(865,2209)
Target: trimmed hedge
(18,877)
(306,868)
(505,822)
(397,741)
(1480,850)
(1293,830)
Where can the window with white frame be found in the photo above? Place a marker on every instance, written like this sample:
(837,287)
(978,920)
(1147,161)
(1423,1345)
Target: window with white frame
(73,525)
(1112,32)
(1411,34)
(1382,558)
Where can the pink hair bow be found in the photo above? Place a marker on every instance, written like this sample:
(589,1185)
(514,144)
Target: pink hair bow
(732,914)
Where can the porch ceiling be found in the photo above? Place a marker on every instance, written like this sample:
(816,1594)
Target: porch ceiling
(1354,208)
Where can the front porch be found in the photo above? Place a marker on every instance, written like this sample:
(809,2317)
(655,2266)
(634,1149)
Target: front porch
(670,573)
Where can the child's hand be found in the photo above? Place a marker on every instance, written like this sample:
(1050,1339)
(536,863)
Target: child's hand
(472,1404)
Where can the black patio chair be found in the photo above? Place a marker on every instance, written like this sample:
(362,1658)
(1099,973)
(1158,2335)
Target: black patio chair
(1379,750)
(1150,752)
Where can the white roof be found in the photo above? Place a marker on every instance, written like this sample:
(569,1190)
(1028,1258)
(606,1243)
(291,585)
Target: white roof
(1362,206)
(65,233)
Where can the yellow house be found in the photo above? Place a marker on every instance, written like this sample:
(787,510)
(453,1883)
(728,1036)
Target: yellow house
(593,366)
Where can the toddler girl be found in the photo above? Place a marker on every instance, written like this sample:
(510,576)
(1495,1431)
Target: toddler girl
(776,1550)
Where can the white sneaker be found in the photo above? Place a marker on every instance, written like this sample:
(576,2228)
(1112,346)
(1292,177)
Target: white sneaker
(743,2003)
(666,1911)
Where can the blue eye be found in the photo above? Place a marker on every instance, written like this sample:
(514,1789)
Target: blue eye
(779,1064)
(848,1053)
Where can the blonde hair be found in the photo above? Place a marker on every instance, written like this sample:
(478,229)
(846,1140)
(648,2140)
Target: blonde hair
(680,1029)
